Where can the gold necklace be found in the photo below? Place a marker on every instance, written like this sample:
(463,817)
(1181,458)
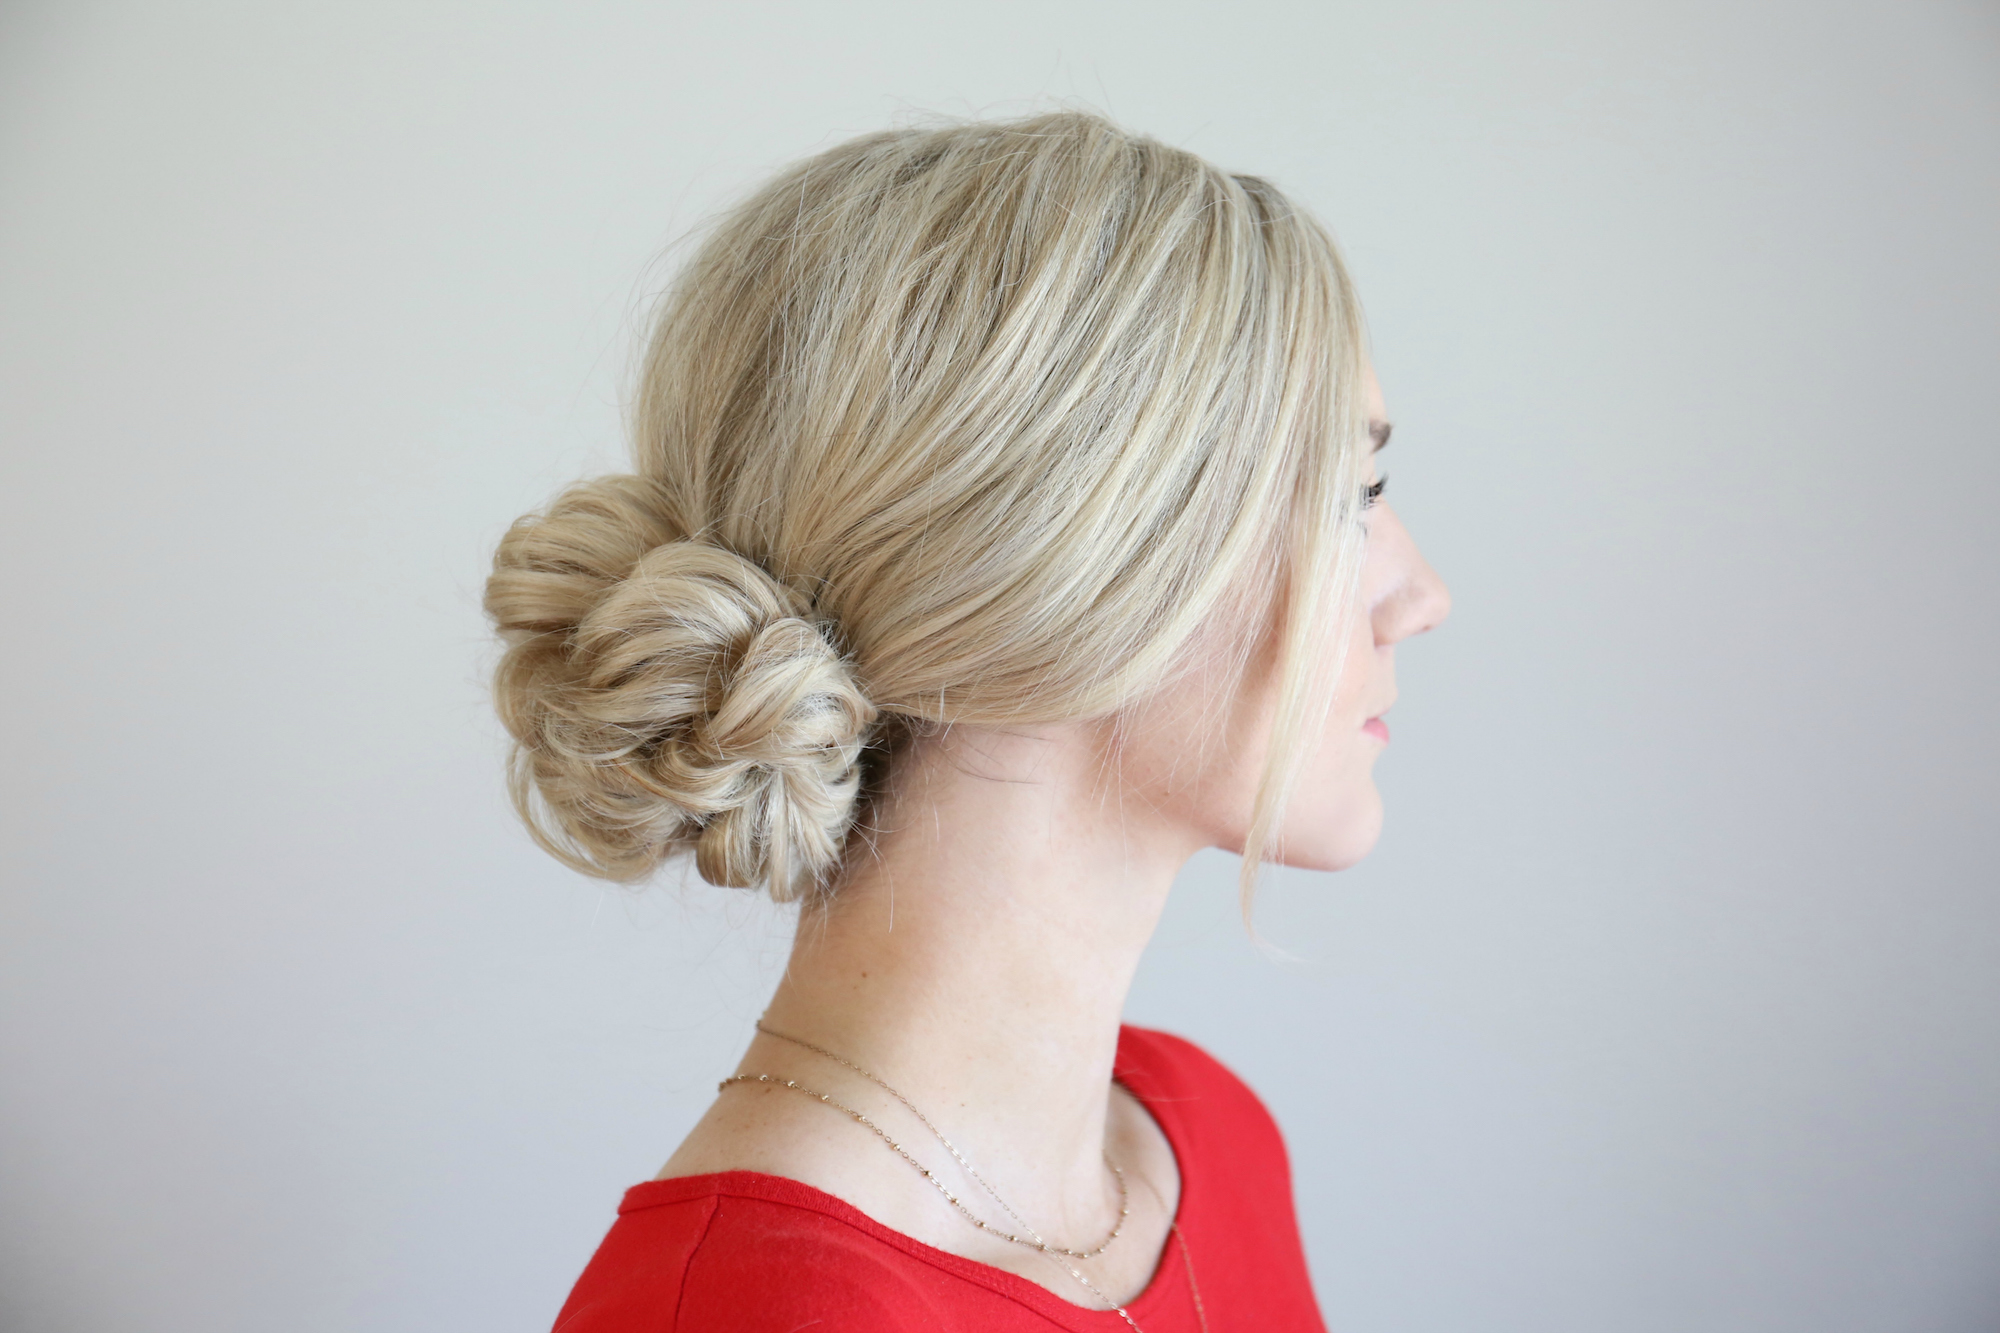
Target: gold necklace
(1055,1253)
(1033,1238)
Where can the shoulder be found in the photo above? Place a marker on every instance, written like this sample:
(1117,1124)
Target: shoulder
(747,1252)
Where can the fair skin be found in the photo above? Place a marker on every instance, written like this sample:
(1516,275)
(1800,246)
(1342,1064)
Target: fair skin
(978,958)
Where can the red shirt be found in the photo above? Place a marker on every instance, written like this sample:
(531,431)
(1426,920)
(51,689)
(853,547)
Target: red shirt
(744,1252)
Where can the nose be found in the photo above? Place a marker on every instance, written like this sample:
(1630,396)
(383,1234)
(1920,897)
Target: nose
(1415,599)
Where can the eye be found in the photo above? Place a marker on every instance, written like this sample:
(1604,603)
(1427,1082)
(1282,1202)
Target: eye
(1373,492)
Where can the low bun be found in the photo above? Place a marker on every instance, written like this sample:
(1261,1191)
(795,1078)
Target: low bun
(666,694)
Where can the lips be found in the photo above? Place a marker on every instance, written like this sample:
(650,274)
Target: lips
(1377,728)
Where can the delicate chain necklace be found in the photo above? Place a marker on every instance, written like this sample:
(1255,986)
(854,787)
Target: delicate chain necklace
(1032,1241)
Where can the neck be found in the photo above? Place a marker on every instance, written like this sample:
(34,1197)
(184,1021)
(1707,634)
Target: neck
(983,974)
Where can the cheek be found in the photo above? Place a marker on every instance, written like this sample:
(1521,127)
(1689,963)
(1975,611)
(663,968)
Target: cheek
(1197,768)
(1191,759)
(1335,815)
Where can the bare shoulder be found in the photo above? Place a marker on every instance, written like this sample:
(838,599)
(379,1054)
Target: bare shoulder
(777,1131)
(764,1129)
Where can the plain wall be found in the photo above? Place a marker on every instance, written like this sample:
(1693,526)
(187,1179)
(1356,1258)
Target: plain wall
(1670,1000)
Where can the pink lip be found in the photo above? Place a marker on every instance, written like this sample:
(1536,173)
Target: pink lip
(1377,728)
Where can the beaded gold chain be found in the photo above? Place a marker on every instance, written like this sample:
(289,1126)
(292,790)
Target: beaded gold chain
(1032,1240)
(904,1153)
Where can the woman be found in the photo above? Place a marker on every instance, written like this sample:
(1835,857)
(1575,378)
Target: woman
(1005,529)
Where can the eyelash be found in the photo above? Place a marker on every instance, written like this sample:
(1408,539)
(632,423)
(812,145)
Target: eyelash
(1373,492)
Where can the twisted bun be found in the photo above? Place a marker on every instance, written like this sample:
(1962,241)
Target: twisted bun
(667,694)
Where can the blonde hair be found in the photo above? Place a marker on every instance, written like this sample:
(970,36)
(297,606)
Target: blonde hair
(974,422)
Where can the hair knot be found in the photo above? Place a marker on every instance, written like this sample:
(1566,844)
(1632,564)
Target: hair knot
(688,699)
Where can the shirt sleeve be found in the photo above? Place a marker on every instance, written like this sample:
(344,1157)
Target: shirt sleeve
(633,1283)
(763,1269)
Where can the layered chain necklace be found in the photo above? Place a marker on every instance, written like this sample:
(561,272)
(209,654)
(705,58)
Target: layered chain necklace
(1027,1235)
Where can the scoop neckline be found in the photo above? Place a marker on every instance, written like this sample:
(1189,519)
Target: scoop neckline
(765,1186)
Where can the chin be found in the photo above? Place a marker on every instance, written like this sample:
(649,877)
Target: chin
(1332,835)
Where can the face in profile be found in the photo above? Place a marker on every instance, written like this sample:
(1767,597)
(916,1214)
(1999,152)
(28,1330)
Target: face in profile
(1336,812)
(1199,765)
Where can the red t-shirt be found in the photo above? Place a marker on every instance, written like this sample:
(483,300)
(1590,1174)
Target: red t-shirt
(744,1252)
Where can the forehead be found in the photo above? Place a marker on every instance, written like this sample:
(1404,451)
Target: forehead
(1377,409)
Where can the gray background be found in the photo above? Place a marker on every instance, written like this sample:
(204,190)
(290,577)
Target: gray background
(1669,1001)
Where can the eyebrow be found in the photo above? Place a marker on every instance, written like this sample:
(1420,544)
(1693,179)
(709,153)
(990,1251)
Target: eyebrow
(1378,431)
